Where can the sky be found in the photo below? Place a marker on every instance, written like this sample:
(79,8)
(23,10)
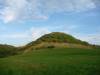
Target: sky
(23,21)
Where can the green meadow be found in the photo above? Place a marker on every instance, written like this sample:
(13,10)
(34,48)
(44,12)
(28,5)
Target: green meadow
(53,61)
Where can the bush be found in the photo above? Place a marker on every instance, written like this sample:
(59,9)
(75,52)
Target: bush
(51,46)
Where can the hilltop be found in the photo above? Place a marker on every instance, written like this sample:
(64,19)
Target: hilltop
(59,37)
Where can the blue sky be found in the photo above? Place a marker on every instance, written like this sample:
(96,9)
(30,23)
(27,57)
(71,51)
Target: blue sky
(22,21)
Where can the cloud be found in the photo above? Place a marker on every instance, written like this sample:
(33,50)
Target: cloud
(23,38)
(15,36)
(69,5)
(8,16)
(38,32)
(67,28)
(11,10)
(31,33)
(91,38)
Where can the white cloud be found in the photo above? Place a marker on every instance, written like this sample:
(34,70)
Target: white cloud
(33,33)
(69,5)
(39,9)
(91,38)
(38,32)
(15,36)
(8,16)
(69,29)
(23,38)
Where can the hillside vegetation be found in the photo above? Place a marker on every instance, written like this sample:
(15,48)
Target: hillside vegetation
(7,50)
(57,39)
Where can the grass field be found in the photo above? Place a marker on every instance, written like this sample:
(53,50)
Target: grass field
(61,61)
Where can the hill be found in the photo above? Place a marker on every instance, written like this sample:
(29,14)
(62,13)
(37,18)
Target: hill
(7,50)
(57,39)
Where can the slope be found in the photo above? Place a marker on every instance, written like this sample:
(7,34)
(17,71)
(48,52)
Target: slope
(57,39)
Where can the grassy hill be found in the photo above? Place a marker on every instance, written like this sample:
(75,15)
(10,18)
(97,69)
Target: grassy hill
(57,39)
(7,50)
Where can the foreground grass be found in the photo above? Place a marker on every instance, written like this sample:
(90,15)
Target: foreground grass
(53,62)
